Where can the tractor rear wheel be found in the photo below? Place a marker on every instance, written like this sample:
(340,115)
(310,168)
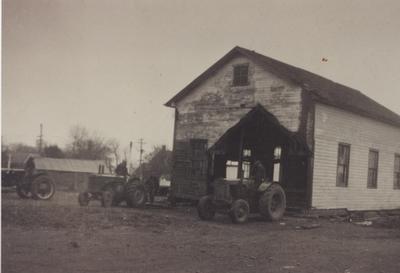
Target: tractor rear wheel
(43,188)
(135,195)
(272,203)
(206,208)
(83,199)
(239,212)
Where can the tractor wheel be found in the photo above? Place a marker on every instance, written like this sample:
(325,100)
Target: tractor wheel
(83,199)
(132,182)
(239,211)
(23,191)
(206,208)
(106,199)
(43,188)
(135,195)
(272,203)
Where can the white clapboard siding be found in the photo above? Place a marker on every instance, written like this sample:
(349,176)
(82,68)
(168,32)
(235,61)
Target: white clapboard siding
(333,126)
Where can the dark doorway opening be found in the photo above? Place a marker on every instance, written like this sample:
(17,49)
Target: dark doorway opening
(260,137)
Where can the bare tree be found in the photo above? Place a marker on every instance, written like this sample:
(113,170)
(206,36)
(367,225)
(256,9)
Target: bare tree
(115,149)
(53,151)
(78,135)
(87,146)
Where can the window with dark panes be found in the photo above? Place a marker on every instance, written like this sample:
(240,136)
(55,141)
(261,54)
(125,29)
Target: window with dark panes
(241,75)
(373,159)
(397,171)
(199,157)
(342,176)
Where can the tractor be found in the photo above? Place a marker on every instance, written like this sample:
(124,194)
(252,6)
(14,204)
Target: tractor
(112,190)
(238,198)
(29,182)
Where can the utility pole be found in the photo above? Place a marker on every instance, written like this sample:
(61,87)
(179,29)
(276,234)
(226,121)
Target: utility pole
(41,139)
(141,143)
(129,162)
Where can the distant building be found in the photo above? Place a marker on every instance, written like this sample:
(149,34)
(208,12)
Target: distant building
(329,145)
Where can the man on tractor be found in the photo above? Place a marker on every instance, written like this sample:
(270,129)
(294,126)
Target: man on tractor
(121,169)
(258,173)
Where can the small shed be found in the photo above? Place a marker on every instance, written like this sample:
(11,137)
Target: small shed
(68,174)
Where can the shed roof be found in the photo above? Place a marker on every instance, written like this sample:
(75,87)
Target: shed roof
(68,165)
(321,89)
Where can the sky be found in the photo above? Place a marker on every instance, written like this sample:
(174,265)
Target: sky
(111,65)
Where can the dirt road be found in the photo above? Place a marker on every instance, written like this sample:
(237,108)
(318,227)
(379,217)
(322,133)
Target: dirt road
(60,236)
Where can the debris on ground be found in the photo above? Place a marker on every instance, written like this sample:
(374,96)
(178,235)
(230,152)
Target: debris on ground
(308,226)
(387,222)
(339,219)
(363,223)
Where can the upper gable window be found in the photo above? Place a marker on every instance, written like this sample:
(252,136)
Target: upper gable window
(241,75)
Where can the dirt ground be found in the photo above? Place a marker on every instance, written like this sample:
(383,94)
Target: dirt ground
(59,236)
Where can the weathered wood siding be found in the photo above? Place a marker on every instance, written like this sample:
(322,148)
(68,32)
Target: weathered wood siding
(333,126)
(217,105)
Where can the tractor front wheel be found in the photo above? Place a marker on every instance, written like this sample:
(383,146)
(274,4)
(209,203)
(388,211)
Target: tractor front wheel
(206,208)
(43,188)
(272,203)
(135,195)
(239,212)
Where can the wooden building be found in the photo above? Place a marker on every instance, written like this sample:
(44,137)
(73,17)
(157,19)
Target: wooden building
(329,145)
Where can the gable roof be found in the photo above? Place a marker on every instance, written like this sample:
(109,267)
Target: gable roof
(320,88)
